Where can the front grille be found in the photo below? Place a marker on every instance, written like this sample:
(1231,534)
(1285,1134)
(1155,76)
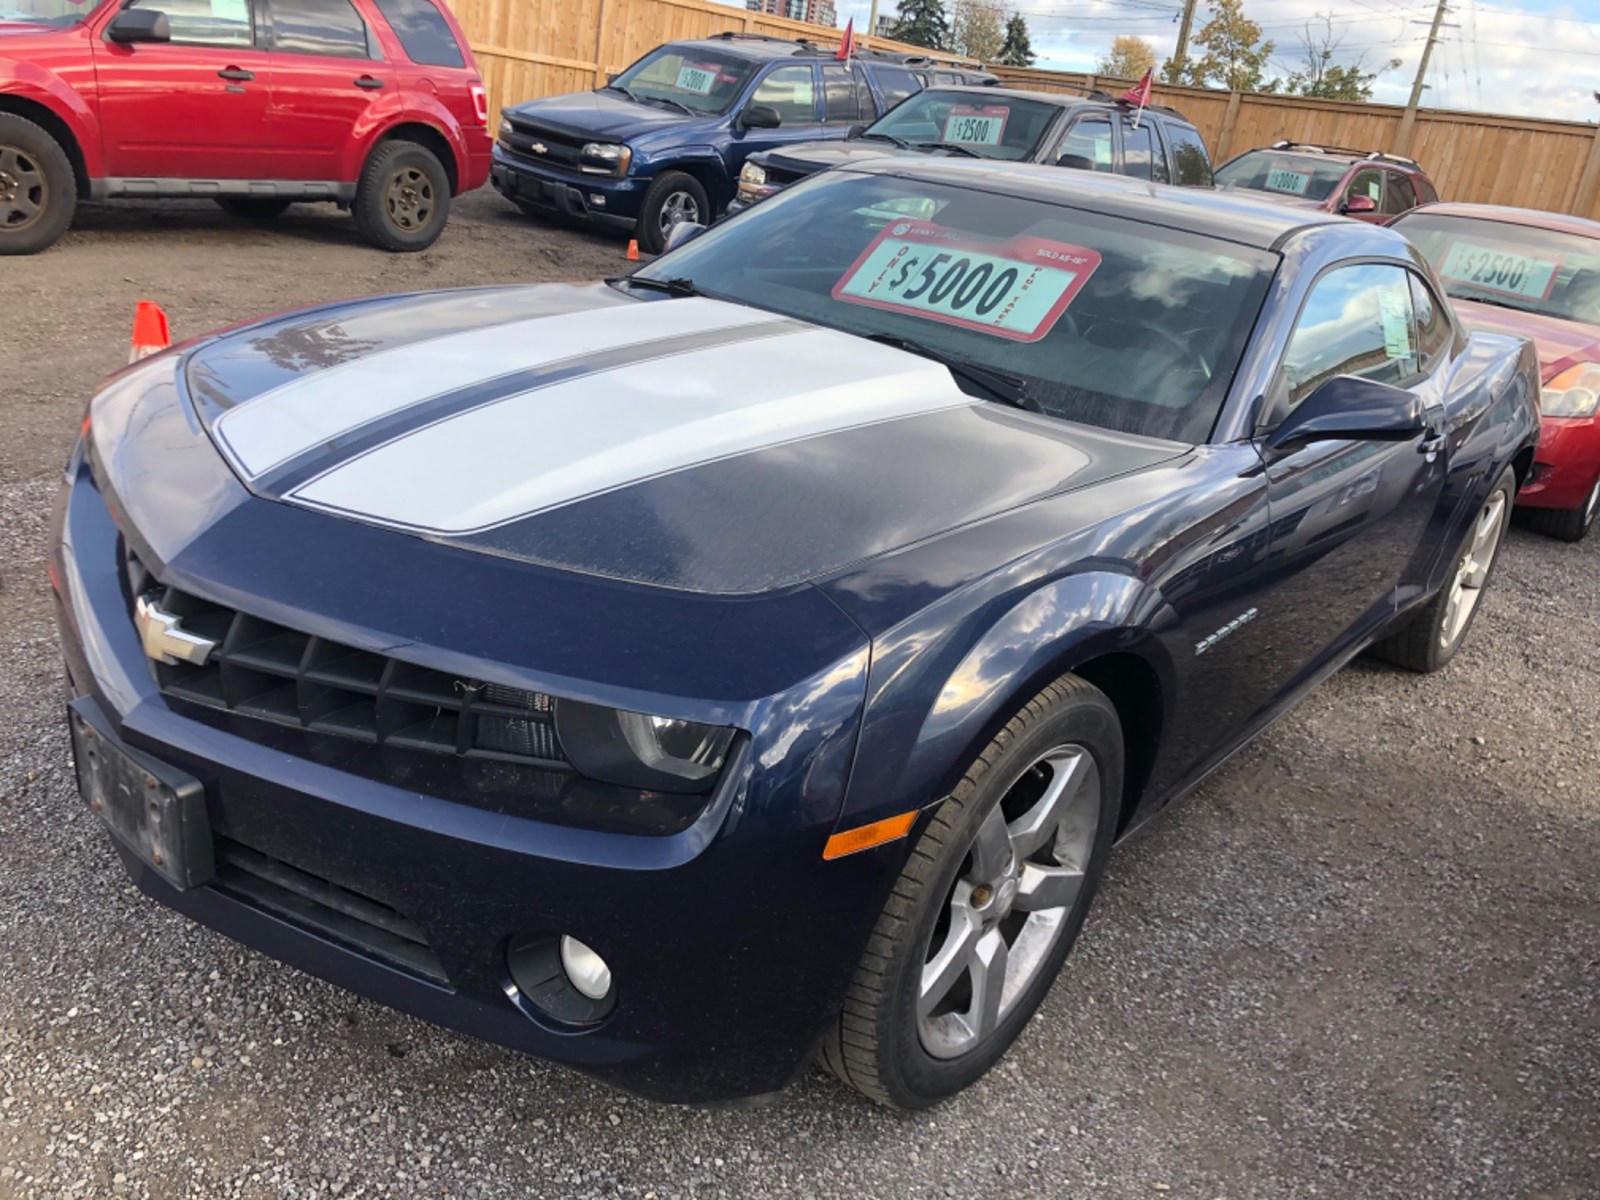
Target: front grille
(336,912)
(269,672)
(784,176)
(560,149)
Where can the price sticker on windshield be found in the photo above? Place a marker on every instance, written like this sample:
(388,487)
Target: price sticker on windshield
(1282,177)
(1503,271)
(1014,289)
(697,78)
(966,125)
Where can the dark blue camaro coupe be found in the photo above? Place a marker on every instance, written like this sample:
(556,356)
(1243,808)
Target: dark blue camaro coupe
(759,655)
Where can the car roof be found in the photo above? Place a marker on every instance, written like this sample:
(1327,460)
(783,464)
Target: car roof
(764,48)
(1060,100)
(1228,216)
(1538,218)
(1340,155)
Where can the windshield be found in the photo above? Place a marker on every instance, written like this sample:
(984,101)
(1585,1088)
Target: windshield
(1516,266)
(1101,320)
(1297,176)
(700,81)
(1002,128)
(60,13)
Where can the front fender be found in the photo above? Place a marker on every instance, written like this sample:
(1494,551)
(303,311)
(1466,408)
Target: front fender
(703,160)
(930,712)
(33,82)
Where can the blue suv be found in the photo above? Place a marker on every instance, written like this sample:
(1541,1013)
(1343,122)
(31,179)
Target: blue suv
(665,141)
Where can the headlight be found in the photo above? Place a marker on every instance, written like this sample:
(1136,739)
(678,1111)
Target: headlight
(753,174)
(603,158)
(660,754)
(505,129)
(1573,393)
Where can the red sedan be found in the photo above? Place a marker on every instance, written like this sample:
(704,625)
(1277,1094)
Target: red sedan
(1535,275)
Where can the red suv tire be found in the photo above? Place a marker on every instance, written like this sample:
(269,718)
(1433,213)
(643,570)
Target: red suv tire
(38,193)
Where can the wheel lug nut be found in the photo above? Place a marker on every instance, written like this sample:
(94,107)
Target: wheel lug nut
(982,894)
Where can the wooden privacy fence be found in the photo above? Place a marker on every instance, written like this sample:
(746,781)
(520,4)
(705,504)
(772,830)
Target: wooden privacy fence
(530,48)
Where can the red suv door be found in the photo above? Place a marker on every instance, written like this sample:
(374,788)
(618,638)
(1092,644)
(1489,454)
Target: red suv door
(330,86)
(192,108)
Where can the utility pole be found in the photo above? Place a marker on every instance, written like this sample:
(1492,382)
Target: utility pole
(1180,56)
(1427,53)
(872,20)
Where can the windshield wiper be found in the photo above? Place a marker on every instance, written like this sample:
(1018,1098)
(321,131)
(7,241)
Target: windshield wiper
(953,147)
(678,286)
(617,87)
(1496,303)
(677,104)
(886,137)
(1007,389)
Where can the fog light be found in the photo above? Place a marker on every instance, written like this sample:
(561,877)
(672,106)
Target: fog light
(586,969)
(597,200)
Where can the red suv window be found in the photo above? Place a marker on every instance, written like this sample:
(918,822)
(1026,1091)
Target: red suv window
(328,27)
(423,32)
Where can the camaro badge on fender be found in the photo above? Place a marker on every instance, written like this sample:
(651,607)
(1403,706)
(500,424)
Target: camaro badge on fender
(1243,618)
(164,637)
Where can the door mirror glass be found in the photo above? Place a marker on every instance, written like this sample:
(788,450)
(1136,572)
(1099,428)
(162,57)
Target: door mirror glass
(135,25)
(760,116)
(683,231)
(1348,406)
(1359,204)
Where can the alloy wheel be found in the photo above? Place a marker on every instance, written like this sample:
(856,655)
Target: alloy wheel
(409,199)
(23,189)
(677,208)
(1467,586)
(1009,905)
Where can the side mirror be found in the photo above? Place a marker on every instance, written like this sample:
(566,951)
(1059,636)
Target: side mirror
(1347,406)
(760,116)
(613,76)
(134,25)
(680,234)
(1359,204)
(854,131)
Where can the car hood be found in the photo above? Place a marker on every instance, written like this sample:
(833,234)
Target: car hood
(819,156)
(682,443)
(1558,343)
(1276,198)
(600,115)
(10,28)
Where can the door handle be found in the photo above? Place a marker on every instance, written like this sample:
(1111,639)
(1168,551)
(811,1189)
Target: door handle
(236,73)
(369,82)
(1431,444)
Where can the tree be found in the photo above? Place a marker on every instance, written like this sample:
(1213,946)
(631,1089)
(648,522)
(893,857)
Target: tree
(1320,76)
(1130,58)
(922,23)
(1235,56)
(975,30)
(1017,48)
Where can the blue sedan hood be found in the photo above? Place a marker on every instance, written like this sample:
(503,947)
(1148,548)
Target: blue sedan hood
(603,116)
(684,443)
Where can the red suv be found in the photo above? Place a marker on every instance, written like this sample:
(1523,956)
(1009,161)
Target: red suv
(376,105)
(1367,185)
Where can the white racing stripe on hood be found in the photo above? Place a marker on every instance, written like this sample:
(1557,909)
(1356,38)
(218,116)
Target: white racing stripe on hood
(557,444)
(308,412)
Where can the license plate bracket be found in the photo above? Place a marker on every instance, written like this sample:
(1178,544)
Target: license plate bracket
(155,810)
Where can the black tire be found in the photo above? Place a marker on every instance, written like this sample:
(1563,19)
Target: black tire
(403,199)
(1421,643)
(38,193)
(1565,524)
(878,1045)
(253,208)
(688,202)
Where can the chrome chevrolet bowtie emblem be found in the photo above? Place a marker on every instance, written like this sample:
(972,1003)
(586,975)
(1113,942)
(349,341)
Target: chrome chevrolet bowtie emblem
(164,637)
(538,148)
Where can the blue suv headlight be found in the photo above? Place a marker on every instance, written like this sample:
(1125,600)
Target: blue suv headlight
(604,158)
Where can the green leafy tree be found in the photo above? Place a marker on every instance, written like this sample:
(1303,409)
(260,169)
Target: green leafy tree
(922,23)
(1016,49)
(975,30)
(1319,75)
(1130,58)
(1234,55)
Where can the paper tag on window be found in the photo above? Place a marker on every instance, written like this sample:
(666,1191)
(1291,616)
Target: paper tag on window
(1282,177)
(1395,316)
(966,125)
(697,78)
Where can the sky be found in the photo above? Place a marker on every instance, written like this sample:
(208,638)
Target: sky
(1527,57)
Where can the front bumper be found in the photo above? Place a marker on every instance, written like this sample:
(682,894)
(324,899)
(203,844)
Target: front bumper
(731,943)
(1566,464)
(611,202)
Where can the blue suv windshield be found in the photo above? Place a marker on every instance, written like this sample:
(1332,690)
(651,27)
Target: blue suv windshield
(696,81)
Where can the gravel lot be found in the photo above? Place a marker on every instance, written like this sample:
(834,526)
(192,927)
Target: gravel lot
(1363,961)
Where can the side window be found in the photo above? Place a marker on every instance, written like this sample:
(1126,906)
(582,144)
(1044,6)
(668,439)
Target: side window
(1189,157)
(1434,334)
(1368,183)
(1356,321)
(839,96)
(423,32)
(789,90)
(1087,145)
(204,22)
(896,84)
(1140,150)
(328,27)
(1398,196)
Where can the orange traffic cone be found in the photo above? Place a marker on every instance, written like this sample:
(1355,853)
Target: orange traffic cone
(633,249)
(150,332)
